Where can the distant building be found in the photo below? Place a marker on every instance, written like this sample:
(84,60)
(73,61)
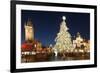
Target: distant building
(28,46)
(29,31)
(31,46)
(78,41)
(81,44)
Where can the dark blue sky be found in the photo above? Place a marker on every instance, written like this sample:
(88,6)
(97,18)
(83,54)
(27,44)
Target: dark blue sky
(47,24)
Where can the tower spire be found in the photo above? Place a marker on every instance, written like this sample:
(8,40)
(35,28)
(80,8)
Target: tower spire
(29,22)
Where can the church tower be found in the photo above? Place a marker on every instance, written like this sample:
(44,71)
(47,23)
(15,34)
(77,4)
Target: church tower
(29,31)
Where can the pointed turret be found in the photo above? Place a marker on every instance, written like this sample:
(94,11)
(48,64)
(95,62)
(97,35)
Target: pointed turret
(29,22)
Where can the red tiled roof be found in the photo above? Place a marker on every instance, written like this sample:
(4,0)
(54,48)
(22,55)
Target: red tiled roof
(27,47)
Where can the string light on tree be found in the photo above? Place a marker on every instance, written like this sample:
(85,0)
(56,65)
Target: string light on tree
(63,39)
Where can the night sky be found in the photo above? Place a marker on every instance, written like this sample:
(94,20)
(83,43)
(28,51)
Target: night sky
(47,24)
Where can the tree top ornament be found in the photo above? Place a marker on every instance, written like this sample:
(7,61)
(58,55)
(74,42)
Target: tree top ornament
(64,18)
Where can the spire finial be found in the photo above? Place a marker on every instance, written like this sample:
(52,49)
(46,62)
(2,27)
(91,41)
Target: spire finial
(64,18)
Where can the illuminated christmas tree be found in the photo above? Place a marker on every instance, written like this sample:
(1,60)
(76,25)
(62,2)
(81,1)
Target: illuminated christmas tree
(63,39)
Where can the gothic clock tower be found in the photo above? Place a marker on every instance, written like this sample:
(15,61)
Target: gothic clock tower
(29,31)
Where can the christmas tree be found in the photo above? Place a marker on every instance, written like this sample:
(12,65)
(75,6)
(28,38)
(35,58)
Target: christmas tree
(63,39)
